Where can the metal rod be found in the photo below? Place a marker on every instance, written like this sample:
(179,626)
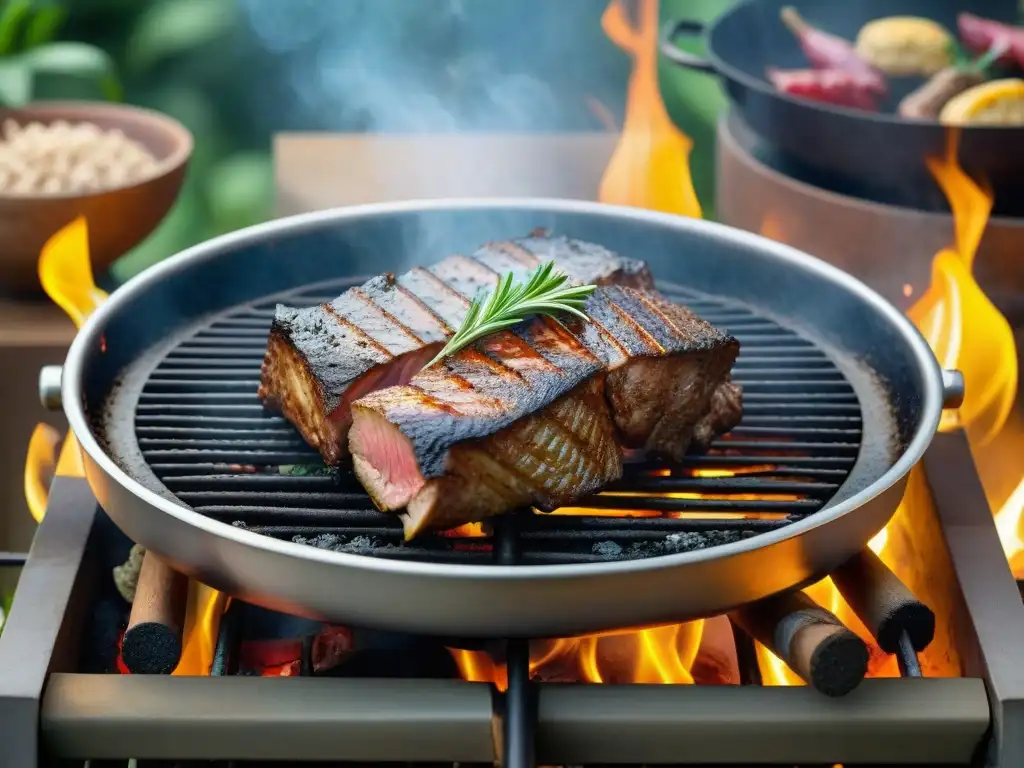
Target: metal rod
(519,723)
(746,657)
(906,657)
(13,559)
(306,657)
(518,726)
(225,653)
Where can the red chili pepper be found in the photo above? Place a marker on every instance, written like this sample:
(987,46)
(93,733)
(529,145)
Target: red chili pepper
(980,35)
(827,51)
(830,86)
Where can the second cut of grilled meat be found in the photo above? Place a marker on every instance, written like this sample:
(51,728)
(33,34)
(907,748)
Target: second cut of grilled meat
(540,414)
(320,359)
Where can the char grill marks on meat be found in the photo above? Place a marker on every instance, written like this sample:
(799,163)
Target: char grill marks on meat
(539,415)
(320,359)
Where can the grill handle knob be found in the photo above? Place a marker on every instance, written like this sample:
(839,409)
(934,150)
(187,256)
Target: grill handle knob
(49,387)
(952,389)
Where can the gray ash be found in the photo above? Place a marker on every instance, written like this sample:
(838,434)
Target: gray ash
(607,549)
(673,543)
(354,545)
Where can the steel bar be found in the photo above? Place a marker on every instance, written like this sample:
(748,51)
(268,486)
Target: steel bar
(43,630)
(257,718)
(520,715)
(923,721)
(991,600)
(746,657)
(906,657)
(930,722)
(519,720)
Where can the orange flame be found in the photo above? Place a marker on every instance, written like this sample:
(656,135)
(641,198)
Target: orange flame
(663,655)
(65,272)
(967,332)
(199,635)
(1008,523)
(40,464)
(650,167)
(963,327)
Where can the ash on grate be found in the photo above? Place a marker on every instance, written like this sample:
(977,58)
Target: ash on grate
(355,545)
(686,541)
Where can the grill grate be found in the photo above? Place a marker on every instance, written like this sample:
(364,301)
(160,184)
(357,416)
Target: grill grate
(205,435)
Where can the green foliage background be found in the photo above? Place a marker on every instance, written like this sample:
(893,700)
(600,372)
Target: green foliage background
(193,60)
(189,59)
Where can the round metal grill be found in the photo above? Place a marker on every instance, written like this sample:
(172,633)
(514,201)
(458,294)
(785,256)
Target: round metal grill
(205,435)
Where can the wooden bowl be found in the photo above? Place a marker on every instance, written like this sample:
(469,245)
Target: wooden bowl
(119,218)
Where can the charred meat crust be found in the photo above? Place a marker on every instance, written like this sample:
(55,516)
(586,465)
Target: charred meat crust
(340,350)
(506,376)
(483,389)
(539,414)
(548,459)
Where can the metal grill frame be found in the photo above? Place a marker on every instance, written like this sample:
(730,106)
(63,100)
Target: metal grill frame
(203,432)
(56,712)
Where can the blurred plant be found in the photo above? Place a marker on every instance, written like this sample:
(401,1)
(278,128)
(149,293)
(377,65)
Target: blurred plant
(30,55)
(695,99)
(193,60)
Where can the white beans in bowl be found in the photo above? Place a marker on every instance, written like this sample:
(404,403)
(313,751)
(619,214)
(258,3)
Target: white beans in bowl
(62,158)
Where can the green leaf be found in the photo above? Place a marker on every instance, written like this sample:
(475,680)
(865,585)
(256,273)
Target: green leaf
(78,60)
(15,82)
(174,27)
(12,19)
(43,26)
(543,293)
(240,190)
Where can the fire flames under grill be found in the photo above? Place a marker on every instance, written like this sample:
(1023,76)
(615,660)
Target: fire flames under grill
(208,439)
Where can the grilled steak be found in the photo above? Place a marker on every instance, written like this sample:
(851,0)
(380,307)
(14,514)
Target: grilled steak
(320,359)
(539,415)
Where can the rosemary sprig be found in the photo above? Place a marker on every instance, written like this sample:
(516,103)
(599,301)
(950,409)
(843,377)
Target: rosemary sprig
(544,293)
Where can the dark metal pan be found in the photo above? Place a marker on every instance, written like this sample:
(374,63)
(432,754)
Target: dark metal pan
(869,151)
(159,389)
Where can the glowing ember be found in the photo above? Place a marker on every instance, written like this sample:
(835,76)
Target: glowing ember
(756,469)
(650,167)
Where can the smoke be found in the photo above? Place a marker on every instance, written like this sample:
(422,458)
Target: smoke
(439,65)
(442,66)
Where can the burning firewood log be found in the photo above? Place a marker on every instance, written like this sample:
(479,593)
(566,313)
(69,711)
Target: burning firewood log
(152,643)
(885,605)
(813,642)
